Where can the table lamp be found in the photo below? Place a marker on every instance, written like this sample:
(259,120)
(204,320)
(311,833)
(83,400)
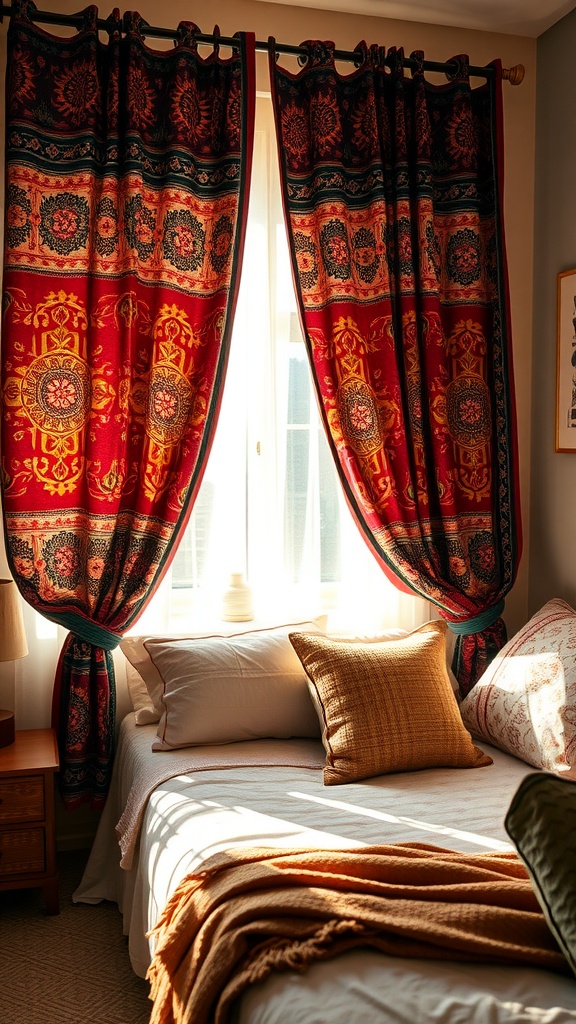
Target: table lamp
(12,645)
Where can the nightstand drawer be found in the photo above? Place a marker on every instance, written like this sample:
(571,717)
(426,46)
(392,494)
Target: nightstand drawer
(22,851)
(22,799)
(27,832)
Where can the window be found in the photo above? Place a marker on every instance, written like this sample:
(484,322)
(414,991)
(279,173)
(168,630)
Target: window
(271,505)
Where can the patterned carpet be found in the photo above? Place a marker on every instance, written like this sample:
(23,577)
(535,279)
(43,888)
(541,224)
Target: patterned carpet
(68,969)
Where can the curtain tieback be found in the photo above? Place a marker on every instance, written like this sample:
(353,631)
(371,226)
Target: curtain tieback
(479,622)
(89,632)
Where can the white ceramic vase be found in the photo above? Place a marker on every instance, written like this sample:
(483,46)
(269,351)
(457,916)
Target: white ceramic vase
(237,601)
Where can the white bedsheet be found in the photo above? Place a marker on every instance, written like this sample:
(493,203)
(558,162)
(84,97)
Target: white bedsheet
(191,816)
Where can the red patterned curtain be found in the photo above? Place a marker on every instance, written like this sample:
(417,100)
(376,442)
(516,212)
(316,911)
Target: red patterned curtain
(126,199)
(392,189)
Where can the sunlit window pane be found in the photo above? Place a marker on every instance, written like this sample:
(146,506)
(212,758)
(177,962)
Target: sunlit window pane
(299,391)
(330,532)
(271,504)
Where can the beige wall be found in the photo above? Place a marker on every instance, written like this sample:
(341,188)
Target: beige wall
(553,534)
(293,25)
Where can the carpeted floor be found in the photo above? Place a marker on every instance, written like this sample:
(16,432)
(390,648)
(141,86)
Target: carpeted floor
(67,969)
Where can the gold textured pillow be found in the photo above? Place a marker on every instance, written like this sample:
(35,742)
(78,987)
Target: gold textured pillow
(386,707)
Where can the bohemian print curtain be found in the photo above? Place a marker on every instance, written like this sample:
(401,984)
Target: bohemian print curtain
(127,182)
(393,198)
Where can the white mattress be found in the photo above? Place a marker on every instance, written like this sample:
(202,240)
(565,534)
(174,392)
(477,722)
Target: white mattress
(190,817)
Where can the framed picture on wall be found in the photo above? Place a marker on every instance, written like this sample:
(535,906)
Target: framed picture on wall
(566,363)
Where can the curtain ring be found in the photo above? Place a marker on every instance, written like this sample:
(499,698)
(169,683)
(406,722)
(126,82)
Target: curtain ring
(134,24)
(186,35)
(89,19)
(395,60)
(461,72)
(361,54)
(24,9)
(377,55)
(216,34)
(418,57)
(114,24)
(318,53)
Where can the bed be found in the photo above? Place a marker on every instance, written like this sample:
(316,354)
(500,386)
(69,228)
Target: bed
(173,809)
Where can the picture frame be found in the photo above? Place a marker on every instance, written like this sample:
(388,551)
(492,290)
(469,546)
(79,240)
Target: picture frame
(566,363)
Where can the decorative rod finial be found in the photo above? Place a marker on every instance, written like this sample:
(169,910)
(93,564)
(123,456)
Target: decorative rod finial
(514,75)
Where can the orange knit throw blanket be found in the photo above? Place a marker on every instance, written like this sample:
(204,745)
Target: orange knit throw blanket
(249,912)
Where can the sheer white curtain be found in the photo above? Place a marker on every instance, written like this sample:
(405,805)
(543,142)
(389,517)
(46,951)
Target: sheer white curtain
(270,505)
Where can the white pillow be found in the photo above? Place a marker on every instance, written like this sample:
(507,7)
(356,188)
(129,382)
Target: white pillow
(525,702)
(144,711)
(145,684)
(225,689)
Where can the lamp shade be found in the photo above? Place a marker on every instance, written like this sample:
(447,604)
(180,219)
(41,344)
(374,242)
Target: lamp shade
(12,636)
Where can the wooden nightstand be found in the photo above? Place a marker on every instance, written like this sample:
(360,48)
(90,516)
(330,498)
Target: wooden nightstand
(27,835)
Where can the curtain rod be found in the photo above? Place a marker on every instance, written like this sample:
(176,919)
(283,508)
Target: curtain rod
(514,75)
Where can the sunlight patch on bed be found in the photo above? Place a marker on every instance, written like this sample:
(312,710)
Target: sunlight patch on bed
(424,826)
(223,826)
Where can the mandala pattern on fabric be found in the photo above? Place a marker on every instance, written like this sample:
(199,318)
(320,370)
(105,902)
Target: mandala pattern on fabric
(307,258)
(140,221)
(221,248)
(190,110)
(326,126)
(63,556)
(22,557)
(468,408)
(233,116)
(142,109)
(433,250)
(170,404)
(107,229)
(76,92)
(56,393)
(79,720)
(64,223)
(143,557)
(184,240)
(295,132)
(483,558)
(99,569)
(334,249)
(23,72)
(404,245)
(18,210)
(462,136)
(359,416)
(365,125)
(463,257)
(365,254)
(458,568)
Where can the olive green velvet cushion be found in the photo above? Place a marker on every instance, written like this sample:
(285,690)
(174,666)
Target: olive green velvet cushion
(541,822)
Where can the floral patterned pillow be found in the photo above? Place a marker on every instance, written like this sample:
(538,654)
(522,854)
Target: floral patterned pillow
(525,703)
